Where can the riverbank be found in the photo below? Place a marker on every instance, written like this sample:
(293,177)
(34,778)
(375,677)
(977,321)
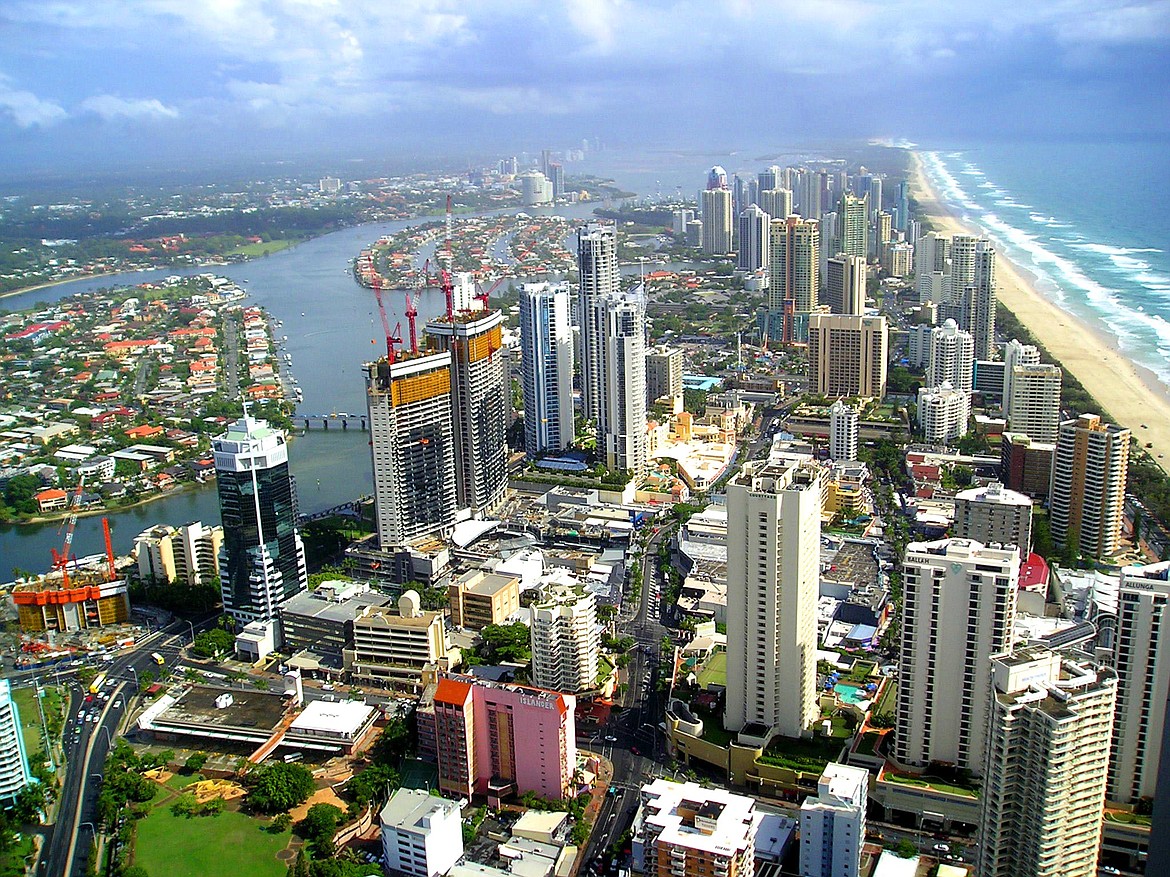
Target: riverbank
(48,284)
(1132,396)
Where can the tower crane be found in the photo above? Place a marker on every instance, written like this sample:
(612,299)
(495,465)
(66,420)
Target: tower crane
(445,270)
(482,294)
(394,337)
(61,560)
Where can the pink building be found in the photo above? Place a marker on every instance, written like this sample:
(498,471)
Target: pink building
(497,740)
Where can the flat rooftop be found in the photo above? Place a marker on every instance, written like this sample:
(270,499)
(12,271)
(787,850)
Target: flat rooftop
(252,710)
(343,717)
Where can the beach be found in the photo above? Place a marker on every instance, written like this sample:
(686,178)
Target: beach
(1132,396)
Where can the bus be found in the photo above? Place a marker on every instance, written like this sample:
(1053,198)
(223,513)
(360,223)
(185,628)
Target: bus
(158,659)
(98,682)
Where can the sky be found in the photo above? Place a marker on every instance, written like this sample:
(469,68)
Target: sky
(89,84)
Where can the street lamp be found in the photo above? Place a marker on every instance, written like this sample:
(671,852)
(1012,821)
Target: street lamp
(109,738)
(192,626)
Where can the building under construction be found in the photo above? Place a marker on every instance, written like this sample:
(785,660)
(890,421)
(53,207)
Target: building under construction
(479,388)
(87,601)
(412,445)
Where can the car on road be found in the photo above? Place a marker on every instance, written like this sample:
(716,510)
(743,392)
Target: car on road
(117,704)
(941,848)
(89,698)
(94,718)
(609,738)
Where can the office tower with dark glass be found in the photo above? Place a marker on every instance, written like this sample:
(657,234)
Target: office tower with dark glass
(754,239)
(262,560)
(546,367)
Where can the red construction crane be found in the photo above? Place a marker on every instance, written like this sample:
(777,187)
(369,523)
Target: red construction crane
(445,270)
(482,294)
(394,337)
(412,322)
(61,560)
(111,571)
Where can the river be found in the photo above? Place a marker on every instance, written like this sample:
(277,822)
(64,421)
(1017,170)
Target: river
(332,327)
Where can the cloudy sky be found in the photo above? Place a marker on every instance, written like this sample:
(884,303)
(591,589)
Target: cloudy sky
(108,81)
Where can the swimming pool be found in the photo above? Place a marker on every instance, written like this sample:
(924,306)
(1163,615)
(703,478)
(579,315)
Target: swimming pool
(851,693)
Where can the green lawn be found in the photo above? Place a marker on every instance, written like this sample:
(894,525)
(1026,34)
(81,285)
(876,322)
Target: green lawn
(261,249)
(12,861)
(714,672)
(228,845)
(798,754)
(931,783)
(30,719)
(1126,818)
(889,699)
(867,745)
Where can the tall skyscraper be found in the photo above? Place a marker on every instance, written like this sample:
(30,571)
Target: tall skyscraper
(412,442)
(853,226)
(847,356)
(1087,491)
(717,178)
(769,178)
(621,425)
(902,205)
(1047,758)
(981,302)
(794,275)
(994,514)
(810,192)
(479,404)
(546,366)
(717,225)
(932,256)
(958,611)
(1141,657)
(754,239)
(844,423)
(845,280)
(262,560)
(14,771)
(773,550)
(832,823)
(598,272)
(564,638)
(951,358)
(777,203)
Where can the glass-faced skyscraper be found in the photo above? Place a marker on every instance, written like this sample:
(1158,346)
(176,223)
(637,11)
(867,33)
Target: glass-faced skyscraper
(262,559)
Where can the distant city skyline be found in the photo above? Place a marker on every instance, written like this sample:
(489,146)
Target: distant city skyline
(93,84)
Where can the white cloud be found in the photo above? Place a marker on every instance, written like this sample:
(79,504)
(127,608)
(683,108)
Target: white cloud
(111,107)
(26,109)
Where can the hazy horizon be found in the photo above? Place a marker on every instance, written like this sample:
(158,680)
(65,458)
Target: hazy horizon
(102,86)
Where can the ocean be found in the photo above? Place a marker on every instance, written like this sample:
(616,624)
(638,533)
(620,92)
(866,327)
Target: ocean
(1089,221)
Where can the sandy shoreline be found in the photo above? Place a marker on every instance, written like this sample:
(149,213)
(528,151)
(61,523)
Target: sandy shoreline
(1131,395)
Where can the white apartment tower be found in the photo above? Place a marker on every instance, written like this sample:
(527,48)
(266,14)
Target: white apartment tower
(844,290)
(565,640)
(844,430)
(664,367)
(479,405)
(754,239)
(621,423)
(1031,400)
(717,226)
(1087,489)
(932,254)
(776,203)
(994,514)
(597,268)
(422,834)
(951,357)
(773,567)
(959,608)
(832,823)
(412,442)
(14,770)
(546,366)
(1015,353)
(1047,758)
(943,413)
(1141,658)
(853,225)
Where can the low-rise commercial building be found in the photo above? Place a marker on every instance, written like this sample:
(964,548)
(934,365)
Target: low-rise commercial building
(479,598)
(393,648)
(317,626)
(686,830)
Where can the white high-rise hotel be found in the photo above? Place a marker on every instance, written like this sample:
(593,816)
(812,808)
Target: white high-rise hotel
(621,422)
(546,366)
(564,638)
(773,567)
(832,823)
(958,611)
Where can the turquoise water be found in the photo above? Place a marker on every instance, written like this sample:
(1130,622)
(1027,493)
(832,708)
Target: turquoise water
(850,693)
(1088,220)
